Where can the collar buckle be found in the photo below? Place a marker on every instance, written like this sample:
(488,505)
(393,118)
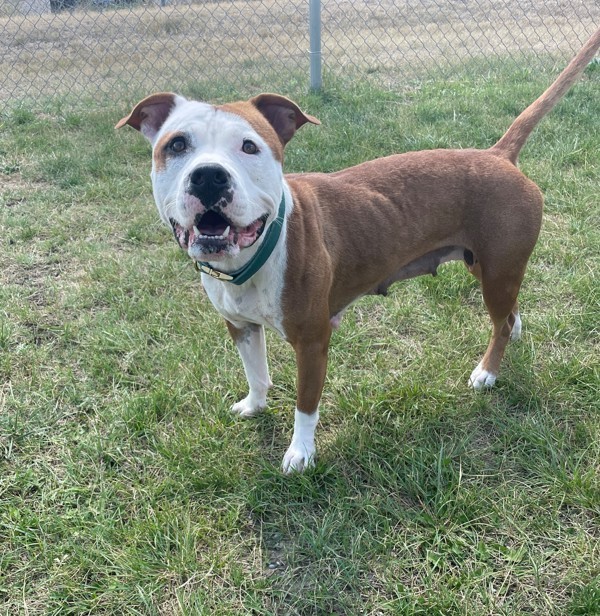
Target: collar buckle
(213,272)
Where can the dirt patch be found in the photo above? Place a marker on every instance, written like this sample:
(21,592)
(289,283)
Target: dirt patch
(13,185)
(13,181)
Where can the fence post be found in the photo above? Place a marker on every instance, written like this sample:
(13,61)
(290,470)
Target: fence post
(315,44)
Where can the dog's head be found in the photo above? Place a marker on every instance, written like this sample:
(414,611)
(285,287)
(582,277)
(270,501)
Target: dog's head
(217,171)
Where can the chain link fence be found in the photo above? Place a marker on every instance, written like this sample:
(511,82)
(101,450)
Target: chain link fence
(100,50)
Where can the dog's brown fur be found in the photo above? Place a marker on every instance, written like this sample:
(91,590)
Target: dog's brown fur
(357,230)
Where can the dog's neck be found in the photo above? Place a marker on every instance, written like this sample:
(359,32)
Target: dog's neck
(258,259)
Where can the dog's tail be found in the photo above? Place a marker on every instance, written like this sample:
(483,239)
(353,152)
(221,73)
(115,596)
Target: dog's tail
(514,138)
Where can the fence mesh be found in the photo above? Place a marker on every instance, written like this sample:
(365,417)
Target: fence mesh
(103,49)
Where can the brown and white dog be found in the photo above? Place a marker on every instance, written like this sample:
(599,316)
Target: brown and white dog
(304,244)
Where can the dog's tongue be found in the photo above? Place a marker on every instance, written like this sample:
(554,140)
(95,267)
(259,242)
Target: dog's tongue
(211,224)
(214,229)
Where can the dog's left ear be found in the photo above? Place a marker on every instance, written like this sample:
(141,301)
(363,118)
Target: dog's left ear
(150,114)
(283,114)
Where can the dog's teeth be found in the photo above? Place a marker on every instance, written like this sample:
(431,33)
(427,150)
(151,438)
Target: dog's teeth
(202,236)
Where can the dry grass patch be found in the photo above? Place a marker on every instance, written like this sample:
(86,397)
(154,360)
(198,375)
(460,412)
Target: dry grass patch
(253,44)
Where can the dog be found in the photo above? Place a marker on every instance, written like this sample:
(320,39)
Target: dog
(292,252)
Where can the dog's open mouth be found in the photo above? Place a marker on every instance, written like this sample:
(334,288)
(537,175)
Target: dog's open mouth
(213,235)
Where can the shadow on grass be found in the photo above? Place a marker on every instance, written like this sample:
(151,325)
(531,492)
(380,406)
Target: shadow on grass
(400,502)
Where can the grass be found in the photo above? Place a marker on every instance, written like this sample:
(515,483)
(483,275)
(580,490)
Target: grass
(126,486)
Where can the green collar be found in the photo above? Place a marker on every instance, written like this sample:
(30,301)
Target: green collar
(260,256)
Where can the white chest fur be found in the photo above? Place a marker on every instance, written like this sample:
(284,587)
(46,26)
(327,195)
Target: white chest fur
(250,303)
(259,300)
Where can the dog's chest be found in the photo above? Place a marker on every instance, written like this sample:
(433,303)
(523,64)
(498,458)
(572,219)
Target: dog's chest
(252,303)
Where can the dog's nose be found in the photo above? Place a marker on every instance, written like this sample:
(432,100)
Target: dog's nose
(210,183)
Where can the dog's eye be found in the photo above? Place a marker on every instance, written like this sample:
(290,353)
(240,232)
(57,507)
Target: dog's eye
(249,147)
(177,145)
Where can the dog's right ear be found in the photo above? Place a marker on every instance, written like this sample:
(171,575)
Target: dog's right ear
(150,114)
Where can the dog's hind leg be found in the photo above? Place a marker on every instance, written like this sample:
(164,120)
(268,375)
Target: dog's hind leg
(250,342)
(514,319)
(500,296)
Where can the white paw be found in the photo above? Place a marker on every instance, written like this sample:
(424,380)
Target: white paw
(299,456)
(515,333)
(481,378)
(250,406)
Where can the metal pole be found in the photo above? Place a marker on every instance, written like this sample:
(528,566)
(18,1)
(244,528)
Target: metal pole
(315,44)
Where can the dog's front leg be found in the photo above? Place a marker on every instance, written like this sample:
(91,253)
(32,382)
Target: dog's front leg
(250,342)
(311,360)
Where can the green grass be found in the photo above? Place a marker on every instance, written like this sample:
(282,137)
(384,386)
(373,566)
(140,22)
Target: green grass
(126,487)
